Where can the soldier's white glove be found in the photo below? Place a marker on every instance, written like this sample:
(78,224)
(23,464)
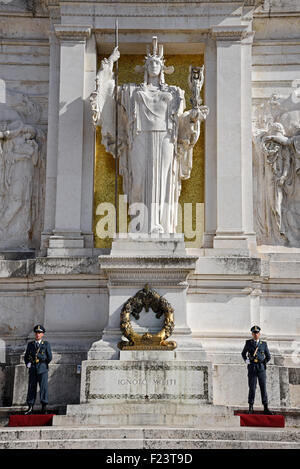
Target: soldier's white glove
(28,365)
(247,361)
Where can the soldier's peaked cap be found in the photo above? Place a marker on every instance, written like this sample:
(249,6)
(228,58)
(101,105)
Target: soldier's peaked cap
(255,329)
(39,328)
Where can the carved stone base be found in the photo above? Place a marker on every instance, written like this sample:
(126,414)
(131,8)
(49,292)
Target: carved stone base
(68,245)
(134,244)
(145,380)
(235,241)
(140,264)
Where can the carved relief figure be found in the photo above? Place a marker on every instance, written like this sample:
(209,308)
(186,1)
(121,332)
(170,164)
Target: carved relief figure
(280,160)
(155,136)
(277,173)
(22,170)
(18,157)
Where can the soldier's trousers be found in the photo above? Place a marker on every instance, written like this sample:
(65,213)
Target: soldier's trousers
(257,371)
(35,379)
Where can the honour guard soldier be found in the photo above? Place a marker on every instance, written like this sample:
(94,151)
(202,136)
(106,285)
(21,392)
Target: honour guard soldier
(37,357)
(256,355)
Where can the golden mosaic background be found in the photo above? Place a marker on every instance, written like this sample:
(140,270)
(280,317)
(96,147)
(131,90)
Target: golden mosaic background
(193,188)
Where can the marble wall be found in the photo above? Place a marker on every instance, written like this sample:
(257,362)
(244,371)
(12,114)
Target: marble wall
(230,289)
(275,81)
(24,82)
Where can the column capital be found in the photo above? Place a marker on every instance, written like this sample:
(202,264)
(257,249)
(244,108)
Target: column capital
(231,33)
(67,32)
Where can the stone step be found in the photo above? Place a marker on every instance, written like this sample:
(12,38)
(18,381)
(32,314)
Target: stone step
(156,407)
(181,420)
(155,433)
(162,413)
(150,444)
(147,438)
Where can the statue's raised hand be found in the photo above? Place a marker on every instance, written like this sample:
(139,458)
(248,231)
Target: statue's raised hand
(115,55)
(199,113)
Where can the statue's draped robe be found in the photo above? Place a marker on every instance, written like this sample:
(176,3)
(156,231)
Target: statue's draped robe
(155,145)
(18,158)
(278,214)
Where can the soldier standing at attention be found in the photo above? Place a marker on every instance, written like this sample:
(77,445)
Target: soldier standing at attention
(256,355)
(37,357)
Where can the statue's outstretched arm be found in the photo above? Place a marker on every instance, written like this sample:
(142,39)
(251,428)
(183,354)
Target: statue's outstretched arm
(102,99)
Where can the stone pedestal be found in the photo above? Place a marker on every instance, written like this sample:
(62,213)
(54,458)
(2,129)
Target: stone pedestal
(142,388)
(145,377)
(142,379)
(141,263)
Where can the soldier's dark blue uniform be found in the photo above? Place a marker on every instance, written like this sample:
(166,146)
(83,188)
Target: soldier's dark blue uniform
(39,356)
(258,354)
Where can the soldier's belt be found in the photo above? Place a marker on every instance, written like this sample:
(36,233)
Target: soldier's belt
(255,360)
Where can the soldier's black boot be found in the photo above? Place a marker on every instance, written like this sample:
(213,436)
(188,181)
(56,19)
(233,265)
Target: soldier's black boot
(267,410)
(29,410)
(44,408)
(250,409)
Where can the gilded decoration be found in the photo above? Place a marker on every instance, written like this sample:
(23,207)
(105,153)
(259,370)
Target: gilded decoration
(147,298)
(192,191)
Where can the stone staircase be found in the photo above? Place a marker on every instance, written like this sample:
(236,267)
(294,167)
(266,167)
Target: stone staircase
(144,426)
(158,413)
(147,438)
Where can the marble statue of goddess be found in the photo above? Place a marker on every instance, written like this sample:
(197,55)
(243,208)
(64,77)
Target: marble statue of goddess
(155,136)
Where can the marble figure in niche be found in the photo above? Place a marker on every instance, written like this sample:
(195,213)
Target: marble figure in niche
(19,154)
(156,135)
(277,172)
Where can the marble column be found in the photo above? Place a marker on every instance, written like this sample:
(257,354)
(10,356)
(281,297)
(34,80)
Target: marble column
(52,138)
(233,140)
(210,217)
(72,233)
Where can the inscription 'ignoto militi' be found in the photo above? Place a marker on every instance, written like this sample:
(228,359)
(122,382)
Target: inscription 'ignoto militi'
(167,382)
(146,381)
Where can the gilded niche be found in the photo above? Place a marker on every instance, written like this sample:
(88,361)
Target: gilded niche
(192,192)
(148,299)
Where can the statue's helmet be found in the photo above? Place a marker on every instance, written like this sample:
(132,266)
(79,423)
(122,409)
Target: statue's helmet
(157,54)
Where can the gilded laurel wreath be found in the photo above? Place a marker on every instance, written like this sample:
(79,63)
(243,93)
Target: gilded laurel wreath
(147,298)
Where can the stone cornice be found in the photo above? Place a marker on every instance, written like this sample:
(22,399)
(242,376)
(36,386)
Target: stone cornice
(153,8)
(231,33)
(162,270)
(72,32)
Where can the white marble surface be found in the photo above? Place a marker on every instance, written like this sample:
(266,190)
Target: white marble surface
(229,290)
(121,380)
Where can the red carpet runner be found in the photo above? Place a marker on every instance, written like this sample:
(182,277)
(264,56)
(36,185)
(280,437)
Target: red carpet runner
(261,420)
(33,420)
